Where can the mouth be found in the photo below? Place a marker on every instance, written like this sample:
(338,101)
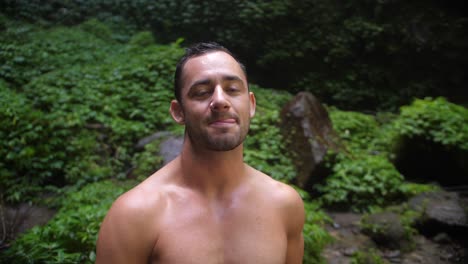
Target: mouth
(223,121)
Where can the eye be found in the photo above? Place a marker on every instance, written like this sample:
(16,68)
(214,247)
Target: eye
(201,93)
(233,89)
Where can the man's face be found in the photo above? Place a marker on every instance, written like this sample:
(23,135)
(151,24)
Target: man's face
(216,105)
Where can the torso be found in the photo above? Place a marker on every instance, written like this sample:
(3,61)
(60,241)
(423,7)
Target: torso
(244,228)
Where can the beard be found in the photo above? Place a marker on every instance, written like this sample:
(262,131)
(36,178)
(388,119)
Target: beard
(224,139)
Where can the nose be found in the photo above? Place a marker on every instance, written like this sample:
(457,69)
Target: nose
(219,102)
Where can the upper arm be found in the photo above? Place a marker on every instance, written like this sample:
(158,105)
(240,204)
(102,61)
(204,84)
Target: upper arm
(124,236)
(294,216)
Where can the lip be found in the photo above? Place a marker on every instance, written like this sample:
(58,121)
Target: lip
(223,122)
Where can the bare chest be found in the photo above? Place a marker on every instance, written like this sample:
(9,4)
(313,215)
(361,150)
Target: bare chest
(196,234)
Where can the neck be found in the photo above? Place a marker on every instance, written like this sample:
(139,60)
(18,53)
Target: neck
(213,173)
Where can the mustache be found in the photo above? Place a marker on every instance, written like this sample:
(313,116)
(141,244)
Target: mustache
(220,116)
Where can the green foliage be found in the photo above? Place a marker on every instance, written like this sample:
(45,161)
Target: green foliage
(74,105)
(357,130)
(147,161)
(98,29)
(33,151)
(379,230)
(29,51)
(142,39)
(370,256)
(305,45)
(407,218)
(411,189)
(361,183)
(436,120)
(315,235)
(264,146)
(363,176)
(75,100)
(71,235)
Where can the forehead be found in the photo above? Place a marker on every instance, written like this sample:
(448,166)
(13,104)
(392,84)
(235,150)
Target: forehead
(210,66)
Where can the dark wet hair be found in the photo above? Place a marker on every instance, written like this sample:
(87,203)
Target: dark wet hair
(196,50)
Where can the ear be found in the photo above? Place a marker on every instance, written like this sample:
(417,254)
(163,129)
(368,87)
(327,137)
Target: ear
(177,112)
(253,104)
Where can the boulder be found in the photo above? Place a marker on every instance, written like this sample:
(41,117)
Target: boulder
(308,132)
(17,219)
(441,212)
(387,230)
(140,145)
(169,147)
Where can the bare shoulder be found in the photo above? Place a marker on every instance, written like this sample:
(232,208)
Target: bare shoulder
(290,208)
(130,230)
(283,197)
(281,194)
(134,205)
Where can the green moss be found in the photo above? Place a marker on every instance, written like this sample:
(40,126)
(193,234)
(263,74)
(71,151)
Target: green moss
(369,256)
(407,218)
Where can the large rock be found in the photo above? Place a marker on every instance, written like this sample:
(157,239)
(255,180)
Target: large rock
(387,230)
(140,145)
(169,147)
(441,212)
(18,219)
(308,132)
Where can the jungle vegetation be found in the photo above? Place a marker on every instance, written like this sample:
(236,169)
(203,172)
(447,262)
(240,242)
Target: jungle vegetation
(82,81)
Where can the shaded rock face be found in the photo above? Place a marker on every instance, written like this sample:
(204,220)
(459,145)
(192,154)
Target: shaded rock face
(308,132)
(20,218)
(170,146)
(349,238)
(441,212)
(422,160)
(140,145)
(386,230)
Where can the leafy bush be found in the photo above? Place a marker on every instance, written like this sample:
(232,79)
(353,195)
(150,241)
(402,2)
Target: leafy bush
(148,161)
(315,235)
(33,151)
(362,183)
(307,45)
(29,51)
(436,120)
(142,39)
(363,176)
(74,105)
(70,237)
(356,130)
(98,29)
(264,146)
(411,189)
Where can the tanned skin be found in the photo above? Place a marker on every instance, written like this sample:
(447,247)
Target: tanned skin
(207,205)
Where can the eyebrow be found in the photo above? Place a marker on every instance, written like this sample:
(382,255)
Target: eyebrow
(208,81)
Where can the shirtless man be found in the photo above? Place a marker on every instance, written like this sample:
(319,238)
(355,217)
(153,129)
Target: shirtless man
(207,206)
